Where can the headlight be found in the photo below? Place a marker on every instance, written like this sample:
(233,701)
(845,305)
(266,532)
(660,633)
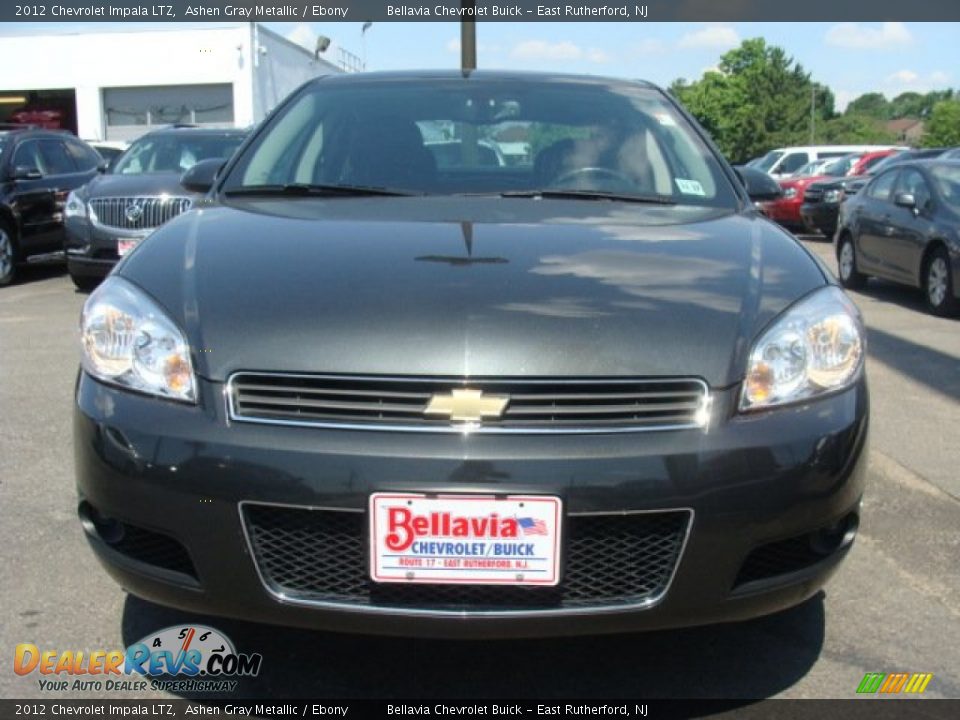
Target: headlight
(832,196)
(74,207)
(790,193)
(814,348)
(128,340)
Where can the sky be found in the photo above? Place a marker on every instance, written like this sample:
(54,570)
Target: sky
(850,58)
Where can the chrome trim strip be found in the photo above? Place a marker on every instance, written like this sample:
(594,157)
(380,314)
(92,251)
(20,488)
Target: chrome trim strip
(646,604)
(473,429)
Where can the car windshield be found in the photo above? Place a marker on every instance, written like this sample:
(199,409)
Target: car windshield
(484,136)
(841,167)
(810,168)
(768,160)
(947,179)
(174,152)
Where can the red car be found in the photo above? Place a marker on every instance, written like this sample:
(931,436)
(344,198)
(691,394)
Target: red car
(786,209)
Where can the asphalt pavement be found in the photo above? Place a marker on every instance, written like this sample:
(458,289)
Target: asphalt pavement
(893,607)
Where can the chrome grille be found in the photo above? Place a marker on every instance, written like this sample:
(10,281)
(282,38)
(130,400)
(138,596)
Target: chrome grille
(138,213)
(317,556)
(535,405)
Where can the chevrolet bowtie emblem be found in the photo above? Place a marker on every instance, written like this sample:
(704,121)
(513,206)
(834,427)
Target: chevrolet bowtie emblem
(466,405)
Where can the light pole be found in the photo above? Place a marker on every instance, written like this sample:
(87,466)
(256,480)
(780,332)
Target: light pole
(468,36)
(363,41)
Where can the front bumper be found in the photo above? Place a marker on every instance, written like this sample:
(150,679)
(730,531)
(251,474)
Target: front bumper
(785,211)
(749,481)
(820,216)
(91,249)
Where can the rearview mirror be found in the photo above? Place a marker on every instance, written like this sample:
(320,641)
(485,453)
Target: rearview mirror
(759,186)
(26,172)
(200,177)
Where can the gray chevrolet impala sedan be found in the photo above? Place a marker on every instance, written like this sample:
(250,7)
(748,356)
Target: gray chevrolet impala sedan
(364,387)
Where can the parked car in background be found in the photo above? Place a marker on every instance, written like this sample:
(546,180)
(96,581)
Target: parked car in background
(109,150)
(786,209)
(783,162)
(951,154)
(38,168)
(903,226)
(449,153)
(821,201)
(140,191)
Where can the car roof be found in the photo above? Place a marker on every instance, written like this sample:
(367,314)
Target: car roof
(26,132)
(476,75)
(196,131)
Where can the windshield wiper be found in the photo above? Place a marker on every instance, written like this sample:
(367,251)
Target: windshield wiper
(307,189)
(590,195)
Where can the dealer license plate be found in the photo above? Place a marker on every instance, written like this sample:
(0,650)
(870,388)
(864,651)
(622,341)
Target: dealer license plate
(125,245)
(467,539)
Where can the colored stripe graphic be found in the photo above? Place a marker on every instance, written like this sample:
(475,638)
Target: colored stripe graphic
(893,683)
(871,683)
(918,682)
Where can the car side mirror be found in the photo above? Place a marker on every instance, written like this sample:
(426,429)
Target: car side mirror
(103,166)
(26,172)
(201,176)
(760,187)
(905,200)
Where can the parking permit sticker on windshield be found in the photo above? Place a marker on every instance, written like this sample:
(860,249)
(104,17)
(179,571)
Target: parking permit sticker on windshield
(690,187)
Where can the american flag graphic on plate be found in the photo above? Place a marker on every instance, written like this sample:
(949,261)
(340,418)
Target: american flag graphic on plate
(531,526)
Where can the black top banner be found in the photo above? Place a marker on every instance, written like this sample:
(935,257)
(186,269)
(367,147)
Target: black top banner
(481,10)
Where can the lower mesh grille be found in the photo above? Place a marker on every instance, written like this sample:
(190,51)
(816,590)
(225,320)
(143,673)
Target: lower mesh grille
(796,553)
(152,548)
(321,556)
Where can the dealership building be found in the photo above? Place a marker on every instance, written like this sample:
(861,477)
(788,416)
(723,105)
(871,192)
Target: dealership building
(117,85)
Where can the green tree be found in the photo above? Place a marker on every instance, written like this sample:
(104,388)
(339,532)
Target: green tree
(943,125)
(855,129)
(758,98)
(916,105)
(872,104)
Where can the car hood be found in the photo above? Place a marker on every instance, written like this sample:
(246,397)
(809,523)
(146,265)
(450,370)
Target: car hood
(471,287)
(136,185)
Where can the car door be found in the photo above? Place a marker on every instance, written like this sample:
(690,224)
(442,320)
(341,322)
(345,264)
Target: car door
(33,199)
(908,228)
(870,220)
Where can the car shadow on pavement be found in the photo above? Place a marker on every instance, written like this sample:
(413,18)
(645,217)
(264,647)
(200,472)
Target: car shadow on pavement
(894,293)
(27,274)
(746,660)
(935,369)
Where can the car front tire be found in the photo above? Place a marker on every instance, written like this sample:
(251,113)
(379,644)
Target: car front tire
(85,283)
(8,256)
(850,277)
(938,284)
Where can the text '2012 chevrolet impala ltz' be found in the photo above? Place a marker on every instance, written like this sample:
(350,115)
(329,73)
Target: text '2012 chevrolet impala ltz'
(367,386)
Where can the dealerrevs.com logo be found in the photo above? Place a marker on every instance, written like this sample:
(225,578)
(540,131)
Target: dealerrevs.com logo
(192,658)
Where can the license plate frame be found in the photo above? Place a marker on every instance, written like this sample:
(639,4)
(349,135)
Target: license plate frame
(465,539)
(125,245)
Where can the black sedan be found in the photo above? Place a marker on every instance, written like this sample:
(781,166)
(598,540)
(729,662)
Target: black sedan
(905,226)
(138,192)
(356,389)
(38,168)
